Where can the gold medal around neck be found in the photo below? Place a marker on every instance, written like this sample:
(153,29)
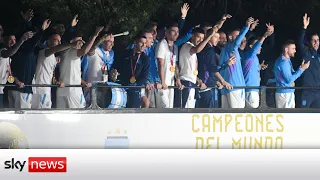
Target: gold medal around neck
(195,72)
(10,79)
(172,68)
(132,80)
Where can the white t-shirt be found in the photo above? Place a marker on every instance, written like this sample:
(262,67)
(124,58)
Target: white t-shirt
(162,51)
(95,63)
(44,72)
(70,72)
(4,70)
(187,63)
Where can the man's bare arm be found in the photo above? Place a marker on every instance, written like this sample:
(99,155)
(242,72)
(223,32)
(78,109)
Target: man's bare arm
(86,48)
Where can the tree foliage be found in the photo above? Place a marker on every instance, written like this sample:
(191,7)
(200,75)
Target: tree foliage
(125,14)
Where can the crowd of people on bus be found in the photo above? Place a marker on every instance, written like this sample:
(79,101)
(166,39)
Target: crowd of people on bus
(209,67)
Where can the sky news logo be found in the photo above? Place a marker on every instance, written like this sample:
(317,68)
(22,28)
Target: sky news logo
(38,165)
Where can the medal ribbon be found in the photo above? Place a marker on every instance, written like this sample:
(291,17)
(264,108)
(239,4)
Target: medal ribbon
(133,69)
(9,68)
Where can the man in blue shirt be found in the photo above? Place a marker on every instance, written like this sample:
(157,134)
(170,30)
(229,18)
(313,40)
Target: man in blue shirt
(209,73)
(149,95)
(251,68)
(234,98)
(285,75)
(134,70)
(311,77)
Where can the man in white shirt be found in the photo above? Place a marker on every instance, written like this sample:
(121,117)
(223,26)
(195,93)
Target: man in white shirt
(188,64)
(167,56)
(46,65)
(100,58)
(11,47)
(70,73)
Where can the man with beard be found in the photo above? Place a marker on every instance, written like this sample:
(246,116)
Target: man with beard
(70,73)
(310,98)
(167,56)
(97,62)
(46,65)
(285,75)
(234,98)
(209,73)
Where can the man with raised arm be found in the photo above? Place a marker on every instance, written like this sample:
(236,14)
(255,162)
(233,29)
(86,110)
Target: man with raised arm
(9,49)
(23,68)
(70,73)
(234,98)
(167,56)
(285,75)
(251,67)
(98,62)
(46,65)
(209,72)
(188,65)
(311,77)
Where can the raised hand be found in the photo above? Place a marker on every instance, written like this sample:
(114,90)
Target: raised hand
(270,30)
(46,23)
(98,30)
(27,35)
(107,27)
(197,26)
(78,43)
(254,25)
(306,21)
(263,66)
(74,21)
(184,10)
(304,66)
(250,21)
(28,15)
(211,33)
(226,16)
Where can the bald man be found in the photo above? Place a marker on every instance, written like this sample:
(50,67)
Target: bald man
(46,65)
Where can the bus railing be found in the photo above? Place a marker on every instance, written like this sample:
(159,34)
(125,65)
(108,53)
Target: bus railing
(94,104)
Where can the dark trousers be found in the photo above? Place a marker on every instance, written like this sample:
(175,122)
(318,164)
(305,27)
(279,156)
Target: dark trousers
(208,99)
(310,99)
(134,98)
(184,94)
(1,100)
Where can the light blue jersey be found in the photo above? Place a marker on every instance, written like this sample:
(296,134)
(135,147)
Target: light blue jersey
(233,74)
(251,67)
(285,74)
